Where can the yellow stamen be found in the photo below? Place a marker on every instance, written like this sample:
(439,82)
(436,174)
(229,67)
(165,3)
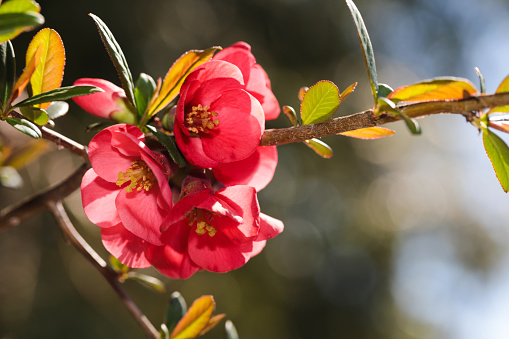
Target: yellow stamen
(140,176)
(202,219)
(200,119)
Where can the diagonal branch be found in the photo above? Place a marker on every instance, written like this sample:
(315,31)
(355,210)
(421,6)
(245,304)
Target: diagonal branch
(365,119)
(14,214)
(65,224)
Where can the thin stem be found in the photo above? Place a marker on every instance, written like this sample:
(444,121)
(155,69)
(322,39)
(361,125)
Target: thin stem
(14,214)
(64,142)
(59,140)
(365,119)
(65,224)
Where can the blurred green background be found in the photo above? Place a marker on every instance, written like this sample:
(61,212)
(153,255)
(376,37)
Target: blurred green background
(404,237)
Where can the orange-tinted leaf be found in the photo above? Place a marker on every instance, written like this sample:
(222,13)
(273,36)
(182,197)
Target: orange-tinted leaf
(23,80)
(177,74)
(196,318)
(445,88)
(349,90)
(369,133)
(502,88)
(213,322)
(48,74)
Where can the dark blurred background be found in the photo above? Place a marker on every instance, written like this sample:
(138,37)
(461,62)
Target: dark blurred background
(403,237)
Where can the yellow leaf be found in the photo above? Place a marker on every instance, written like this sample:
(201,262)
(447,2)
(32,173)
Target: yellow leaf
(196,318)
(369,133)
(23,80)
(445,88)
(48,74)
(213,322)
(502,88)
(176,76)
(349,90)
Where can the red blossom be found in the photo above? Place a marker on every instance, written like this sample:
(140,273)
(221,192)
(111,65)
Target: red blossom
(257,170)
(256,81)
(217,121)
(126,192)
(111,104)
(216,231)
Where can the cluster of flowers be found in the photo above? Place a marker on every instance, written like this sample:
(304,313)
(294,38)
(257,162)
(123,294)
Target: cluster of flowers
(202,217)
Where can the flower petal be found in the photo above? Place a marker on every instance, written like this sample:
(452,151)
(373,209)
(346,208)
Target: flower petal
(269,227)
(216,69)
(125,246)
(216,254)
(256,170)
(105,159)
(140,213)
(240,128)
(174,264)
(243,199)
(259,86)
(192,149)
(100,104)
(98,197)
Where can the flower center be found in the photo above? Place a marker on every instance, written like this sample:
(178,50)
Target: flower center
(203,219)
(200,119)
(140,176)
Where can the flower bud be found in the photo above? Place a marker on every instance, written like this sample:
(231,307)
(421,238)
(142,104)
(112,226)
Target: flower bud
(112,104)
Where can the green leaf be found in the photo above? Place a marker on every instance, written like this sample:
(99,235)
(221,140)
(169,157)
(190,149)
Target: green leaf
(482,82)
(118,58)
(170,145)
(118,266)
(384,90)
(58,94)
(177,308)
(386,105)
(367,48)
(319,103)
(10,11)
(320,148)
(7,72)
(146,280)
(25,126)
(231,331)
(291,115)
(498,153)
(10,22)
(57,109)
(35,114)
(145,87)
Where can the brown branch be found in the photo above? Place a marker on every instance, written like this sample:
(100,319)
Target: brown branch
(365,119)
(109,274)
(57,138)
(14,214)
(64,142)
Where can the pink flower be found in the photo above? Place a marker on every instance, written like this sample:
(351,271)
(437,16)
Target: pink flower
(111,104)
(256,170)
(126,192)
(256,81)
(217,121)
(215,231)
